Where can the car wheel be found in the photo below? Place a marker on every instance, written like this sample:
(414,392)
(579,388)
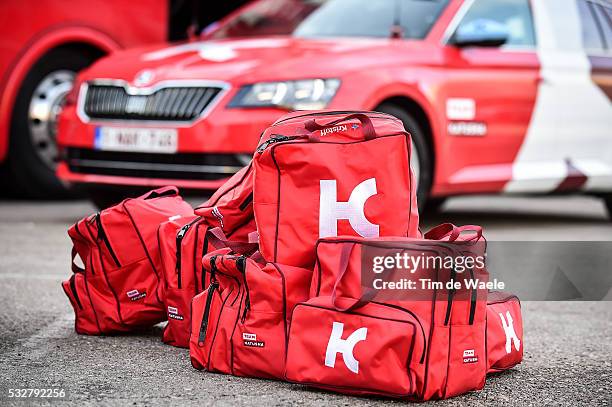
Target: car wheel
(33,150)
(420,161)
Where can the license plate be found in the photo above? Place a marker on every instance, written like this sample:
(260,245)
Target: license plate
(136,140)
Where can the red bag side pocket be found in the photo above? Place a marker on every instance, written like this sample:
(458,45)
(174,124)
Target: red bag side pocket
(504,332)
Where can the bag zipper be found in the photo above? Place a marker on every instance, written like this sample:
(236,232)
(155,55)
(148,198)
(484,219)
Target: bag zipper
(274,139)
(473,300)
(103,236)
(449,301)
(179,239)
(74,291)
(214,284)
(241,266)
(246,202)
(505,299)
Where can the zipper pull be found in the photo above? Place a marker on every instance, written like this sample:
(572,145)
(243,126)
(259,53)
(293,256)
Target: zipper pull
(204,325)
(101,234)
(247,308)
(272,140)
(451,294)
(241,266)
(213,269)
(182,231)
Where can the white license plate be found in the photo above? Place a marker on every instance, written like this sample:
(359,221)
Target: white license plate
(137,140)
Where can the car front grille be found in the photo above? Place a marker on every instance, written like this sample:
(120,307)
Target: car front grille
(187,166)
(164,104)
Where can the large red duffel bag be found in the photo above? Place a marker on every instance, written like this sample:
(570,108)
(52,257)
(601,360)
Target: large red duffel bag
(239,324)
(330,173)
(118,289)
(504,331)
(453,359)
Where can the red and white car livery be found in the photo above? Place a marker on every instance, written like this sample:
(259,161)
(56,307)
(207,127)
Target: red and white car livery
(500,96)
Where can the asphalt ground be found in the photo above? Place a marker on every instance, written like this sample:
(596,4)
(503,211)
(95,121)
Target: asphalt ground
(568,345)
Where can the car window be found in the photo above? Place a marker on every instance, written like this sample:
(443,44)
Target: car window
(603,16)
(591,37)
(515,15)
(371,18)
(330,18)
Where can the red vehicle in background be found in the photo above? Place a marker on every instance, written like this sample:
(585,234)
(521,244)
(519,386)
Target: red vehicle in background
(44,44)
(499,95)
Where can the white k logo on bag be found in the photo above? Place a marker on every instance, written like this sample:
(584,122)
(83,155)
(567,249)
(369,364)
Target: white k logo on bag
(510,333)
(330,210)
(345,346)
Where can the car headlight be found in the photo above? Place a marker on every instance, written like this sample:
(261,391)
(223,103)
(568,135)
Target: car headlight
(306,94)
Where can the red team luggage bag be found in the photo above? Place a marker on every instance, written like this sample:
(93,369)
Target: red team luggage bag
(329,173)
(239,324)
(118,289)
(230,209)
(182,245)
(448,339)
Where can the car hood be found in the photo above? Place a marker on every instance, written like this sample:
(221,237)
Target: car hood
(252,60)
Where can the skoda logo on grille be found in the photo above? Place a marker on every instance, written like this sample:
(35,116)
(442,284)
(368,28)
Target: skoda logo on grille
(144,77)
(136,104)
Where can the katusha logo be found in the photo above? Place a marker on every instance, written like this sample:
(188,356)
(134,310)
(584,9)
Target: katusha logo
(469,356)
(136,295)
(250,339)
(173,313)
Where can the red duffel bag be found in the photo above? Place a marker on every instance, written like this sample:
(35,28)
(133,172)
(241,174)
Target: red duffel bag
(118,289)
(239,324)
(504,331)
(230,210)
(451,320)
(182,244)
(329,173)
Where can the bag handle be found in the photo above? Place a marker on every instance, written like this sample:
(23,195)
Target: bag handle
(367,295)
(441,231)
(368,127)
(454,232)
(477,232)
(74,267)
(163,191)
(218,240)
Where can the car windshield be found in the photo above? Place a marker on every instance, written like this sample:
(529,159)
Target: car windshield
(331,18)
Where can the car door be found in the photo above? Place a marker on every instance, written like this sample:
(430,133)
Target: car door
(568,145)
(488,93)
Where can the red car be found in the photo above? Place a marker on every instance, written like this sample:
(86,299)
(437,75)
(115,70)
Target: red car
(44,44)
(500,96)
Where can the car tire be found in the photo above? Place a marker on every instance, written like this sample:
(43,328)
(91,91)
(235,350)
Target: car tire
(420,151)
(32,151)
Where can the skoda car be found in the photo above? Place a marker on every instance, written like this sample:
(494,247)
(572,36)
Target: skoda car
(499,95)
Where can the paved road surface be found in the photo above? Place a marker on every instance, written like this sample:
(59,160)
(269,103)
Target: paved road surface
(568,345)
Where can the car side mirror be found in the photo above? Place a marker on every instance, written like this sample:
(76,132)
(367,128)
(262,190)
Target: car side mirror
(480,33)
